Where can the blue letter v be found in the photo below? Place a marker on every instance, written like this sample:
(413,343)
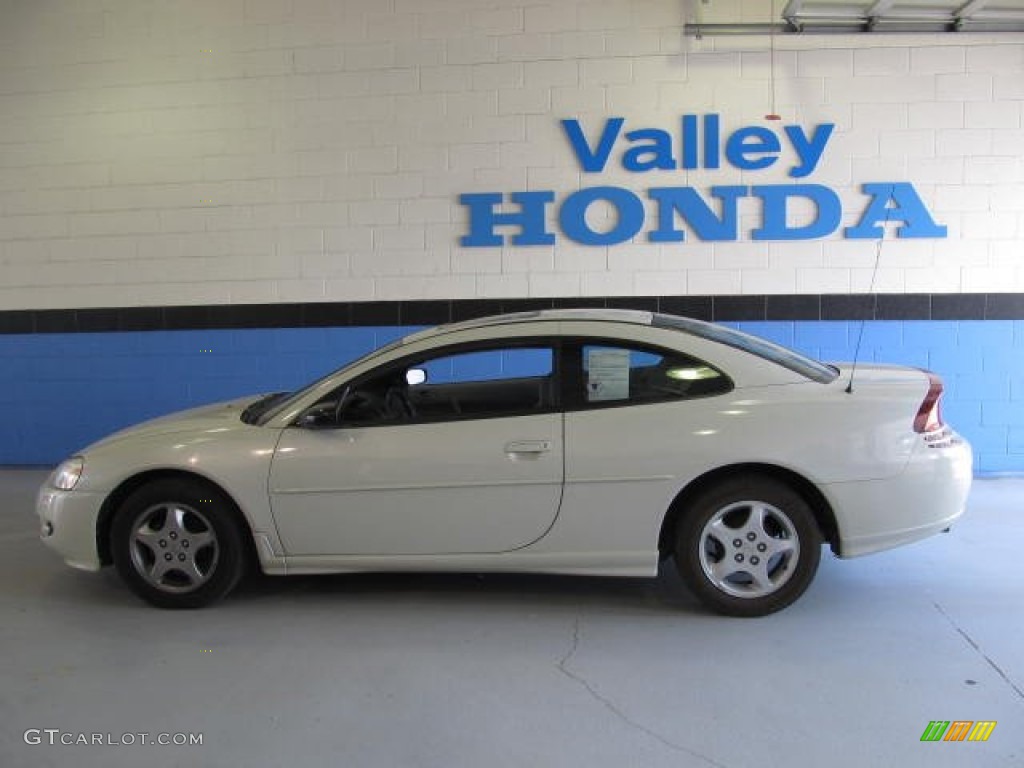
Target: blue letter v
(592,161)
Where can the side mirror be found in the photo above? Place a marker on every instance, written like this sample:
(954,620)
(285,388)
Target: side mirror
(318,417)
(415,376)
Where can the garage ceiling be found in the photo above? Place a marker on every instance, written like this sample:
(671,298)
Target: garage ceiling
(810,17)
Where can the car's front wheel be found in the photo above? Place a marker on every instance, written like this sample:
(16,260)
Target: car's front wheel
(748,546)
(176,545)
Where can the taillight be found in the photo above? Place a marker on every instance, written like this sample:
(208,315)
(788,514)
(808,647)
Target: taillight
(929,415)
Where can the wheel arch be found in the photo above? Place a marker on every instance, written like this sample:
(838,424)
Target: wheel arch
(116,498)
(823,513)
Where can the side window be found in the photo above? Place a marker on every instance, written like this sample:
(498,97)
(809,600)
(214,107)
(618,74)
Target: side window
(619,375)
(489,365)
(483,384)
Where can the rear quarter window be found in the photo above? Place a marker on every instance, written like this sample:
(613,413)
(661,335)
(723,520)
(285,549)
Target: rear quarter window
(766,350)
(621,374)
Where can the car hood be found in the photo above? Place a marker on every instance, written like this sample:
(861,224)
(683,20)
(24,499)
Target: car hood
(212,417)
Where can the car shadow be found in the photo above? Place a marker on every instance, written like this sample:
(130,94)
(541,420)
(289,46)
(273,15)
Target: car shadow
(664,593)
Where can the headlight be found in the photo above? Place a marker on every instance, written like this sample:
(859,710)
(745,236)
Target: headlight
(65,477)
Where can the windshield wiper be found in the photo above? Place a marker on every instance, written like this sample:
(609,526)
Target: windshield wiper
(253,411)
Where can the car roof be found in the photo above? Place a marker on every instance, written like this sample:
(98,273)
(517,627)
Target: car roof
(717,334)
(632,316)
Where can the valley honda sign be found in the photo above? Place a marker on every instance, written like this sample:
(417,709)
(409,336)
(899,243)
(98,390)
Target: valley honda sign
(521,218)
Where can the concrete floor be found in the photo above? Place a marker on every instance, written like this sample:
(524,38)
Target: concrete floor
(454,671)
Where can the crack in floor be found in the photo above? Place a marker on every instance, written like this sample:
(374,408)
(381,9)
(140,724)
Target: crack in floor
(611,707)
(979,651)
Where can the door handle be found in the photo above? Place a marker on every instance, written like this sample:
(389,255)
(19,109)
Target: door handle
(528,446)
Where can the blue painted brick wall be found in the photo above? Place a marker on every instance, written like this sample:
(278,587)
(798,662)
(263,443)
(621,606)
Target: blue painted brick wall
(62,391)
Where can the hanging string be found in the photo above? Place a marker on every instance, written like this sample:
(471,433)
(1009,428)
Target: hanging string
(772,115)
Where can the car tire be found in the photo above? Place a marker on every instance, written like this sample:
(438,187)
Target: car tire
(748,546)
(177,545)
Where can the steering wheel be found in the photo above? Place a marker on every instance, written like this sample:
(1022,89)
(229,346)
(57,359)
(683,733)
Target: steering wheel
(397,403)
(362,404)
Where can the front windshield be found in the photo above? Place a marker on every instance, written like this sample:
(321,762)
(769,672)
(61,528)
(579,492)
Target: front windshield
(299,394)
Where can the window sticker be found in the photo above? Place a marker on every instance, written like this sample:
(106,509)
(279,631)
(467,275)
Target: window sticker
(607,374)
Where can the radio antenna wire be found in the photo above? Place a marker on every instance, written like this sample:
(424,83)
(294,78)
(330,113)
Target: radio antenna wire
(874,304)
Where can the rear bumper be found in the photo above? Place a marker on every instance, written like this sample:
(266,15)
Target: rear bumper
(67,525)
(926,498)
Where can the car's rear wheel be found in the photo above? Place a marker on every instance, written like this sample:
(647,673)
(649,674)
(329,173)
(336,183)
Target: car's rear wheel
(176,544)
(749,546)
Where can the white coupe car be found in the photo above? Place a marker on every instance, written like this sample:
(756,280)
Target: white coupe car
(565,441)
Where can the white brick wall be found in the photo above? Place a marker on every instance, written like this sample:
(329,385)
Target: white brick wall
(311,150)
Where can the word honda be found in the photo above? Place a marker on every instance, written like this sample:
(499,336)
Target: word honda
(701,144)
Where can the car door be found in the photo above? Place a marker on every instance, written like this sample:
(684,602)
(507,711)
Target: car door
(468,461)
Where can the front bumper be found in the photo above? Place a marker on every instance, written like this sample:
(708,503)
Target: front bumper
(927,497)
(67,523)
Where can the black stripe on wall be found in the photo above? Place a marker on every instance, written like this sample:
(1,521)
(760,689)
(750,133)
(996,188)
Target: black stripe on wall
(904,306)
